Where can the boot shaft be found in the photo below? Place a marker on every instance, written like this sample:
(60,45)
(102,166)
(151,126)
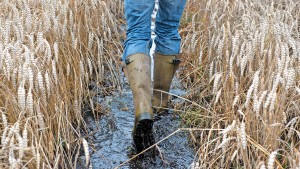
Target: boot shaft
(165,67)
(138,72)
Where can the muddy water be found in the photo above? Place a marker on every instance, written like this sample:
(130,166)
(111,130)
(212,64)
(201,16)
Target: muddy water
(113,143)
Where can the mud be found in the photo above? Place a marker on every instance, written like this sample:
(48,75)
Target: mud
(113,143)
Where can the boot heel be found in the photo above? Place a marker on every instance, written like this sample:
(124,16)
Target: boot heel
(144,116)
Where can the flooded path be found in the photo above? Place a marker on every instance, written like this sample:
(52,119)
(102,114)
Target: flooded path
(112,133)
(112,136)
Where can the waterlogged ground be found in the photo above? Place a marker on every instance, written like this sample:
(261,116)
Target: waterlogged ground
(113,143)
(111,135)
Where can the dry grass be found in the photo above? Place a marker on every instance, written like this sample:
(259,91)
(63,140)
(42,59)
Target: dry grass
(242,62)
(49,52)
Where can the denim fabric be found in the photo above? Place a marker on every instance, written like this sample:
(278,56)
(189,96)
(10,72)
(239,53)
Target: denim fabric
(138,19)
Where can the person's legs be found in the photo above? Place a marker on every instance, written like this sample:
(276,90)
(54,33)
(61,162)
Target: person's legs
(166,58)
(138,34)
(166,26)
(138,68)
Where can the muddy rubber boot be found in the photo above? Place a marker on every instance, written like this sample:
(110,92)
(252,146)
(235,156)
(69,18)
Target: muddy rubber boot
(138,73)
(165,67)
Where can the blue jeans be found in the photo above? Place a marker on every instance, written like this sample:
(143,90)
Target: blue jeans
(138,18)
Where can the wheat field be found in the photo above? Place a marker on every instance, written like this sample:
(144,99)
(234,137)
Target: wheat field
(241,63)
(50,51)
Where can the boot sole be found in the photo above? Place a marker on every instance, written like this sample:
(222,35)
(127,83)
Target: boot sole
(143,137)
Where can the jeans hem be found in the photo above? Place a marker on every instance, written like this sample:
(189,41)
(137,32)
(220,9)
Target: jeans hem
(167,54)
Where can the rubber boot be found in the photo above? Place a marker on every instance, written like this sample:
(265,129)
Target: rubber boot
(165,67)
(138,72)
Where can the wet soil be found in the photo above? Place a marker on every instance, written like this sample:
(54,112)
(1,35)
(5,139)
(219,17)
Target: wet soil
(112,141)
